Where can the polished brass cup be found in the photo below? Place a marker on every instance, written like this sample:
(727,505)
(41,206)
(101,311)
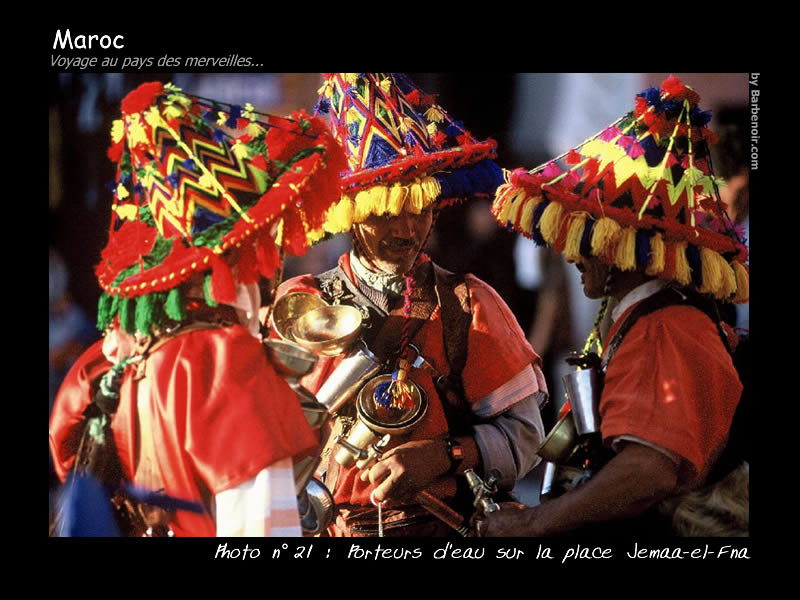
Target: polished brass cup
(562,441)
(375,421)
(328,330)
(289,308)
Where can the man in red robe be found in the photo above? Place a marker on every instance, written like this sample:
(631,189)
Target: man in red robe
(482,379)
(180,392)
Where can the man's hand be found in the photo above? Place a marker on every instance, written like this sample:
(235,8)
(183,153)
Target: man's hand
(407,469)
(512,520)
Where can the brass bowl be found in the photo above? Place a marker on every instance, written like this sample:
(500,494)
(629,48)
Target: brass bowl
(385,420)
(561,442)
(291,307)
(329,330)
(289,358)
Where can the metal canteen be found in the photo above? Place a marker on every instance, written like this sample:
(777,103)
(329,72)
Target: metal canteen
(375,421)
(287,309)
(316,507)
(348,377)
(562,441)
(328,330)
(583,391)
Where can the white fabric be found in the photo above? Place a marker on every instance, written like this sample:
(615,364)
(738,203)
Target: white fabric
(265,506)
(247,305)
(637,294)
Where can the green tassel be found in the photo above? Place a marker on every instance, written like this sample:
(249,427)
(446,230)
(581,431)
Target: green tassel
(207,291)
(126,315)
(104,311)
(144,313)
(174,305)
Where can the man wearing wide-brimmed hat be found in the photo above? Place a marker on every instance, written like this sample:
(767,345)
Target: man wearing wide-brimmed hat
(177,413)
(637,210)
(407,160)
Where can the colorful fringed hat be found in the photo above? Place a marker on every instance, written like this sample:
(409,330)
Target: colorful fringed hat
(404,151)
(641,194)
(186,191)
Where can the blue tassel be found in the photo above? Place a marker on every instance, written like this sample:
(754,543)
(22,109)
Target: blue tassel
(642,248)
(586,238)
(672,108)
(85,509)
(652,153)
(137,189)
(174,180)
(699,118)
(168,503)
(455,129)
(653,97)
(695,264)
(219,135)
(210,116)
(537,215)
(323,106)
(188,164)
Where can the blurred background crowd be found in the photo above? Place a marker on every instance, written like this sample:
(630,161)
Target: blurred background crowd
(533,117)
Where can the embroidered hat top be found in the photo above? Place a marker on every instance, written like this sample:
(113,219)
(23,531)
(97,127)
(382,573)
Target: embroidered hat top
(196,178)
(640,194)
(404,151)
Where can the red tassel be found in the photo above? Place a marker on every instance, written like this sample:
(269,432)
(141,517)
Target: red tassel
(223,289)
(115,151)
(573,158)
(142,97)
(413,97)
(247,264)
(267,256)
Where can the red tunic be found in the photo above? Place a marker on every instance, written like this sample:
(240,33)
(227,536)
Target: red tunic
(495,338)
(220,414)
(672,383)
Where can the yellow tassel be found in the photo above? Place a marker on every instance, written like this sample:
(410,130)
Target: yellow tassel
(625,253)
(434,114)
(572,249)
(712,272)
(416,199)
(550,222)
(312,237)
(351,78)
(528,206)
(117,131)
(655,264)
(385,84)
(431,188)
(340,216)
(396,198)
(742,284)
(604,233)
(728,279)
(682,272)
(502,207)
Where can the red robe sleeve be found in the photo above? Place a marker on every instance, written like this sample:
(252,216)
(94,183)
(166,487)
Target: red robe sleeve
(672,383)
(74,395)
(231,413)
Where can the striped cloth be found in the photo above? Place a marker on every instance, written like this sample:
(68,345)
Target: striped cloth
(265,506)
